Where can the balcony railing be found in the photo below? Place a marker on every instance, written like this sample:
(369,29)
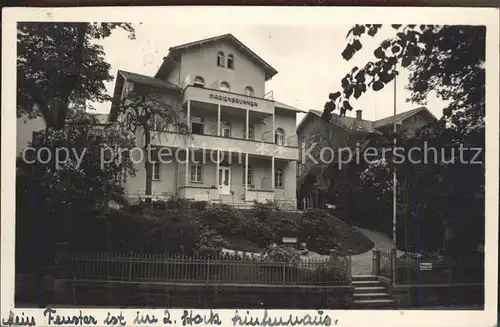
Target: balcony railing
(233,145)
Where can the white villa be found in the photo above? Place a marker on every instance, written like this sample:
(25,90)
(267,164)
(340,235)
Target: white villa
(218,85)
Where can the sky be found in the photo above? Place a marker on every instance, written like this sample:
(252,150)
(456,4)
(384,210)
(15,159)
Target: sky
(308,59)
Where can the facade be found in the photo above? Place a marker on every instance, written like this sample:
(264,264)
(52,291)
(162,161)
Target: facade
(342,132)
(242,144)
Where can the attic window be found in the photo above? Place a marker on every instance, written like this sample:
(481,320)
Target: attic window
(199,81)
(220,59)
(224,86)
(249,91)
(230,61)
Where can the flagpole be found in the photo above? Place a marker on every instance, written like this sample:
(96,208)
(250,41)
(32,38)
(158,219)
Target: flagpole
(394,173)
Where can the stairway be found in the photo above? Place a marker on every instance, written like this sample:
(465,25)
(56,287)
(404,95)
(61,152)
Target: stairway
(370,293)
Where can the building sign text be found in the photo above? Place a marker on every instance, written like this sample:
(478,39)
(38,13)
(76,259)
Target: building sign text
(231,99)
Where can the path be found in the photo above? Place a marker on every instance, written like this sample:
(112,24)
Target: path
(362,263)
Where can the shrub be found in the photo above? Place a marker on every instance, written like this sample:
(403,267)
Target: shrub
(199,205)
(223,218)
(209,241)
(263,211)
(153,231)
(257,231)
(284,254)
(323,232)
(178,203)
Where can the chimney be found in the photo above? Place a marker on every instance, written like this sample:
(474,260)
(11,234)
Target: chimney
(358,114)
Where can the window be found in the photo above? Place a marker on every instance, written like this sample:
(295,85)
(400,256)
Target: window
(197,125)
(220,59)
(250,133)
(224,86)
(279,137)
(199,81)
(156,170)
(230,61)
(279,178)
(249,91)
(196,173)
(249,176)
(225,129)
(299,169)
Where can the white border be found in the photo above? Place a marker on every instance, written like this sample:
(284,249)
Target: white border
(268,16)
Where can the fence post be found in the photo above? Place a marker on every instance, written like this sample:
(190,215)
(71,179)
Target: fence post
(333,254)
(130,266)
(208,269)
(284,268)
(393,266)
(376,262)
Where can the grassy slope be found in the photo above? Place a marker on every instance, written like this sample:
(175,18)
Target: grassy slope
(345,236)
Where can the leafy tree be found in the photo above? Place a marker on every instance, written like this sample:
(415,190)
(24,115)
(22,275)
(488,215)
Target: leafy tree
(60,64)
(150,112)
(446,59)
(55,196)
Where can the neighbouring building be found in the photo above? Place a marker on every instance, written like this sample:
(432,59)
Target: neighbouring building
(345,132)
(218,86)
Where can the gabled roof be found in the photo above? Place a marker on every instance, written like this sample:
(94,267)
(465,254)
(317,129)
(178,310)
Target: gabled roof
(123,76)
(348,123)
(352,123)
(285,106)
(147,80)
(174,52)
(400,117)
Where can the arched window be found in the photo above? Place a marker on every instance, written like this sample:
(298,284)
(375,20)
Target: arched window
(220,59)
(249,91)
(279,137)
(199,81)
(230,61)
(224,86)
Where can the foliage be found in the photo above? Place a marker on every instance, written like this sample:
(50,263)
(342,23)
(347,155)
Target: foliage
(223,218)
(324,232)
(154,231)
(149,111)
(446,59)
(56,197)
(59,64)
(443,190)
(282,254)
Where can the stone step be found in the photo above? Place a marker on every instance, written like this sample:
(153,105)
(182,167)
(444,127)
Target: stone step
(364,277)
(372,296)
(369,289)
(363,283)
(369,304)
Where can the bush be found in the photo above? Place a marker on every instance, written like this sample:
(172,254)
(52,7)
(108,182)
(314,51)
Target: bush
(223,218)
(257,231)
(281,253)
(324,232)
(153,231)
(263,211)
(199,205)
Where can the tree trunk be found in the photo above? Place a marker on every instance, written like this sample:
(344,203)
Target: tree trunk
(148,166)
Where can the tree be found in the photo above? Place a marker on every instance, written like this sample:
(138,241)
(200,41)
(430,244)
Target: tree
(59,191)
(151,112)
(60,64)
(446,59)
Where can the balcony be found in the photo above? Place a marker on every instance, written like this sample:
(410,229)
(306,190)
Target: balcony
(233,145)
(228,99)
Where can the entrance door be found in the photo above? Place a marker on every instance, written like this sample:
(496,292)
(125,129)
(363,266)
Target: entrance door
(225,180)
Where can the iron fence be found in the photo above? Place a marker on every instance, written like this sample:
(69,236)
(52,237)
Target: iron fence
(223,269)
